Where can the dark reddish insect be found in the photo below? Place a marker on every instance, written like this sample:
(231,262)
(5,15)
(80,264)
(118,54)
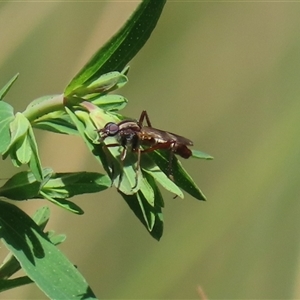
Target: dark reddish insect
(138,138)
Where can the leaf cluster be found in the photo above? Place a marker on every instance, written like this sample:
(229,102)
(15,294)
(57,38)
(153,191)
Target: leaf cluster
(84,107)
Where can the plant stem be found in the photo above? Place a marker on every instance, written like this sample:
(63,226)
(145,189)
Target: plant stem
(43,106)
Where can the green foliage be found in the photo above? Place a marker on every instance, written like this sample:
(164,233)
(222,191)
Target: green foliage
(6,117)
(55,187)
(39,257)
(22,148)
(83,108)
(122,47)
(6,88)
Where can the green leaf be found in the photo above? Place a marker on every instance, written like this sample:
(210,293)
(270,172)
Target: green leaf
(149,167)
(6,117)
(56,187)
(11,265)
(41,216)
(6,88)
(158,199)
(35,163)
(18,128)
(66,185)
(122,47)
(181,178)
(21,186)
(23,150)
(64,203)
(125,173)
(151,217)
(110,102)
(53,273)
(104,84)
(57,121)
(56,239)
(201,155)
(23,147)
(146,190)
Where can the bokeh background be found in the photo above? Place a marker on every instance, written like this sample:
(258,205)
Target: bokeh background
(224,74)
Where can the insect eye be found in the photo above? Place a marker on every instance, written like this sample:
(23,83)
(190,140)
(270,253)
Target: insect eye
(112,128)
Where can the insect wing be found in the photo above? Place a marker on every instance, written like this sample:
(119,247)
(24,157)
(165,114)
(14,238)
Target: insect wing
(181,140)
(165,136)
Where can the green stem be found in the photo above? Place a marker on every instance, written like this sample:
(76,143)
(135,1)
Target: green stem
(13,283)
(9,267)
(43,106)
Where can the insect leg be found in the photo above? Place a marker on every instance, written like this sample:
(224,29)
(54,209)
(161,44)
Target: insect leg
(123,156)
(170,169)
(144,115)
(138,166)
(170,146)
(104,147)
(166,145)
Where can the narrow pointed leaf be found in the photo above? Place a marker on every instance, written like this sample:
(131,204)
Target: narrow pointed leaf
(21,186)
(41,216)
(181,178)
(23,152)
(201,155)
(54,274)
(35,162)
(10,264)
(58,122)
(62,185)
(6,117)
(122,47)
(110,102)
(152,169)
(151,217)
(6,88)
(63,203)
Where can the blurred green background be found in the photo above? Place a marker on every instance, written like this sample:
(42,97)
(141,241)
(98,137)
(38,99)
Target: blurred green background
(225,75)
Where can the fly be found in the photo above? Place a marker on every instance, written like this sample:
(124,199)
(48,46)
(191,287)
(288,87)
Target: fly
(141,138)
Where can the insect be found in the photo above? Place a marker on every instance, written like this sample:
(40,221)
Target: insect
(133,135)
